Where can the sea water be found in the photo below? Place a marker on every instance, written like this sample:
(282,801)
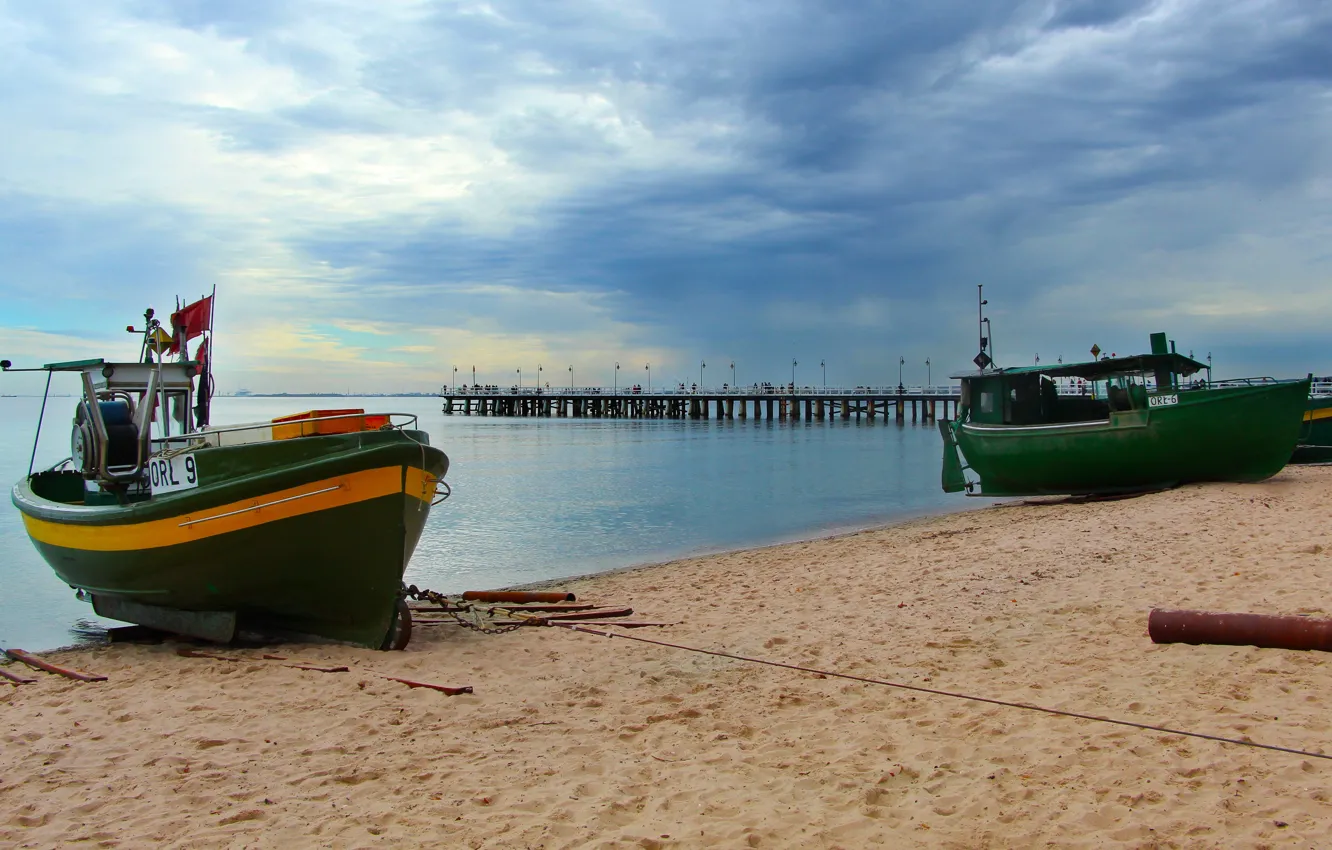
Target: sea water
(541,499)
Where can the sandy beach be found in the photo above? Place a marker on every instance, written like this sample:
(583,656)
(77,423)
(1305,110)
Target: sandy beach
(572,740)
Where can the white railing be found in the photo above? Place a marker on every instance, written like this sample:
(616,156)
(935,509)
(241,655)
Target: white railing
(691,390)
(396,421)
(1064,386)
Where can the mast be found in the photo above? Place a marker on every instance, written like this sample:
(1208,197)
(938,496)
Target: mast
(203,404)
(983,360)
(212,350)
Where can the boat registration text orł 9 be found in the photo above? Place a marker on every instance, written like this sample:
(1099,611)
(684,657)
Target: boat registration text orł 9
(169,474)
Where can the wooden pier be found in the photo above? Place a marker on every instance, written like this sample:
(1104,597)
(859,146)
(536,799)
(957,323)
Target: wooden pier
(777,404)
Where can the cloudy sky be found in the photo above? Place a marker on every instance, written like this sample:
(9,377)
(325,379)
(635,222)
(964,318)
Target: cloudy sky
(382,190)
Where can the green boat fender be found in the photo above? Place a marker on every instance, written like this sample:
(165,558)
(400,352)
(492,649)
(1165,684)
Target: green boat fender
(952,479)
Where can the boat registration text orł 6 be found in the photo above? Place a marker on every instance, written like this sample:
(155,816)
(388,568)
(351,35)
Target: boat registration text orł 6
(169,474)
(1162,400)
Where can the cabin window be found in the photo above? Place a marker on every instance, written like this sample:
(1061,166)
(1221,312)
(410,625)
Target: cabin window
(1127,392)
(1023,402)
(987,402)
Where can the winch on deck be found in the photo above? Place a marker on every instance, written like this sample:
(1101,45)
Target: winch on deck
(112,439)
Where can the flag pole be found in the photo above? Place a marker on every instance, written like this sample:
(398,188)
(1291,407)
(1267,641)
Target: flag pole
(212,351)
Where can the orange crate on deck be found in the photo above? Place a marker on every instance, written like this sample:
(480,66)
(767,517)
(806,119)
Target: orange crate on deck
(299,424)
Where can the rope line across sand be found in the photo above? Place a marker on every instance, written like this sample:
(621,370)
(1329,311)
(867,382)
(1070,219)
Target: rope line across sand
(920,689)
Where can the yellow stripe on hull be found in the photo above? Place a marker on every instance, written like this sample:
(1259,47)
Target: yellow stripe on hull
(236,516)
(1320,413)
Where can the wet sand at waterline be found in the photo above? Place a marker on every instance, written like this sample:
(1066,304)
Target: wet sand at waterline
(571,740)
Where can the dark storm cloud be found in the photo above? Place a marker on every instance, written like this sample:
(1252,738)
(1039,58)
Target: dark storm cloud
(889,138)
(1096,13)
(746,174)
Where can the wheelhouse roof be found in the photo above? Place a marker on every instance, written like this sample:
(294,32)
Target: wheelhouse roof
(73,365)
(1095,370)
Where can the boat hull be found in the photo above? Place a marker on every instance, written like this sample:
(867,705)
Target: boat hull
(1230,434)
(1315,443)
(311,537)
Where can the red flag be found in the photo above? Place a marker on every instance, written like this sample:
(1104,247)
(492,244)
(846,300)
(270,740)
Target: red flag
(191,321)
(201,355)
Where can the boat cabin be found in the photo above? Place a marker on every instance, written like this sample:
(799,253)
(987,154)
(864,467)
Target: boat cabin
(119,429)
(1075,392)
(114,420)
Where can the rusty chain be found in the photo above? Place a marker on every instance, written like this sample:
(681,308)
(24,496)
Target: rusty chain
(468,615)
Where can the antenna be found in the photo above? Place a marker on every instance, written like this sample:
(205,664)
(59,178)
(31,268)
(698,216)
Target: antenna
(982,360)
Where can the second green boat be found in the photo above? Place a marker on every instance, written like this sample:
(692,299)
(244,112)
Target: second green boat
(1315,444)
(1116,425)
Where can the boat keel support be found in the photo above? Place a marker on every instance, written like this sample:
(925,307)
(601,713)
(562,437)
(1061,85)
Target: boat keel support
(217,626)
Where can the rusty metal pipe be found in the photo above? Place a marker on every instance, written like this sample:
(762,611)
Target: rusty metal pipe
(554,607)
(15,678)
(447,690)
(518,596)
(33,661)
(1228,629)
(595,613)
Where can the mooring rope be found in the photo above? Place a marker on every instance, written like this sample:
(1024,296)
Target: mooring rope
(937,692)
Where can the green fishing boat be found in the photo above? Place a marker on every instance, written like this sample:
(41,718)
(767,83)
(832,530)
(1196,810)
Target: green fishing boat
(303,524)
(1315,444)
(1114,425)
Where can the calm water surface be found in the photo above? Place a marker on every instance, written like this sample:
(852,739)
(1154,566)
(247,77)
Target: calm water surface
(551,498)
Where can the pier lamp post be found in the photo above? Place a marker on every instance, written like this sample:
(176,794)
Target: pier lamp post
(901,361)
(455,379)
(648,367)
(732,374)
(793,365)
(1209,368)
(701,367)
(928,381)
(538,376)
(571,379)
(473,376)
(824,366)
(615,390)
(520,378)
